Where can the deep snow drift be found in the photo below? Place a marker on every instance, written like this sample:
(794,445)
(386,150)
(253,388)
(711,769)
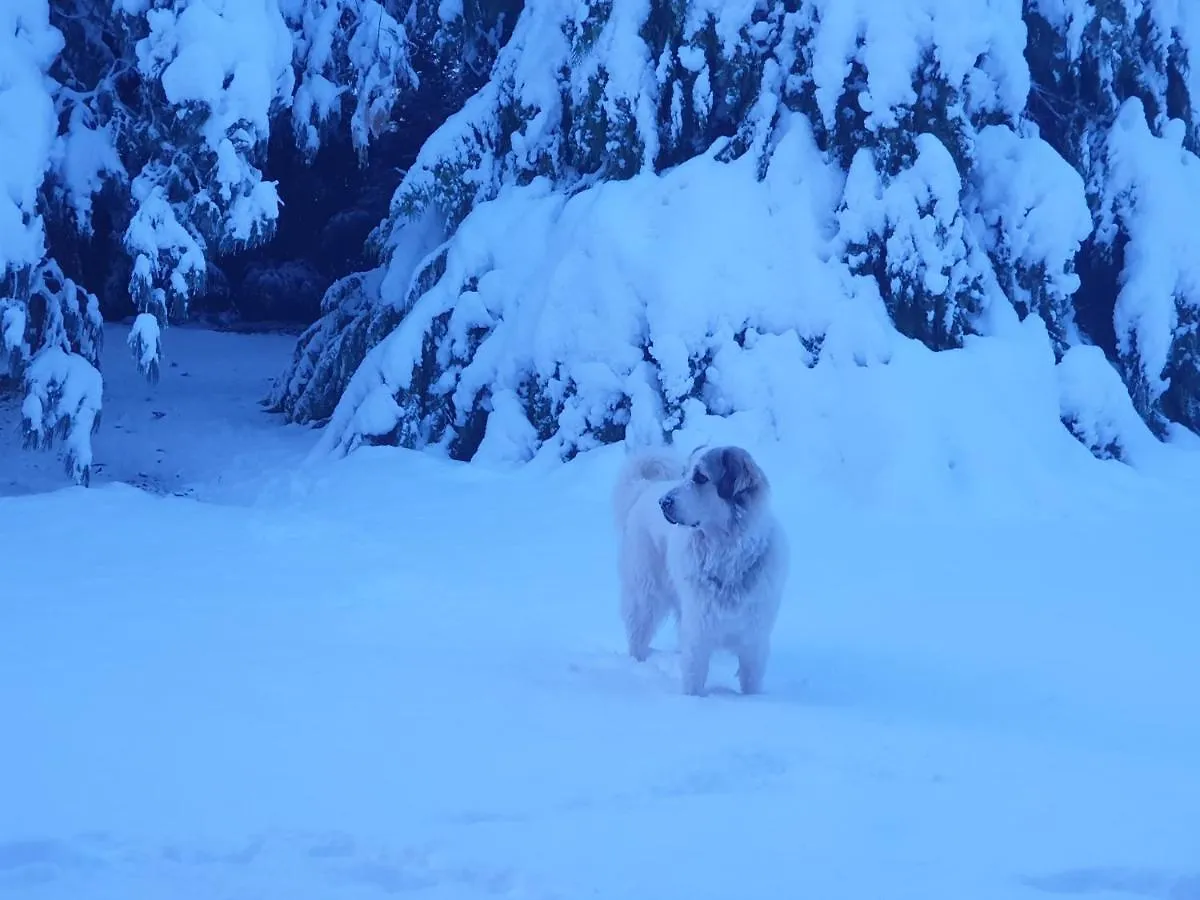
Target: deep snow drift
(396,674)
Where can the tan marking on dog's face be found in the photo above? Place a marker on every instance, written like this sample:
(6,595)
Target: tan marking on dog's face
(723,484)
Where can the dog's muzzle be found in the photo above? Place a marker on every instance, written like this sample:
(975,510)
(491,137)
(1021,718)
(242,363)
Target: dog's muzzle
(667,504)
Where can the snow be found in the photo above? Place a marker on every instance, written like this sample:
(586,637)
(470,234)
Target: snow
(161,246)
(367,58)
(378,50)
(234,58)
(392,673)
(62,399)
(83,157)
(1072,16)
(624,302)
(612,302)
(240,665)
(1096,403)
(198,431)
(965,40)
(145,340)
(13,320)
(227,67)
(919,209)
(1036,205)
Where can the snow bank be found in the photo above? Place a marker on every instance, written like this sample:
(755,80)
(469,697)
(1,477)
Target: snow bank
(397,677)
(614,301)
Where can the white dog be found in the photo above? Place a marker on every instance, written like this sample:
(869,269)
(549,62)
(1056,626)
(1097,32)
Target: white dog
(697,539)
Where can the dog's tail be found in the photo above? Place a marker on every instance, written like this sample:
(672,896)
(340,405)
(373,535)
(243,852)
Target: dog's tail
(639,468)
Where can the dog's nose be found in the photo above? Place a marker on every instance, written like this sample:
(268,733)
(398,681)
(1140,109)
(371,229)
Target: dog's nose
(667,504)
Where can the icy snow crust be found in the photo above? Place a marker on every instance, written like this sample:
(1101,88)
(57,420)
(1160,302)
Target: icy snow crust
(394,675)
(721,288)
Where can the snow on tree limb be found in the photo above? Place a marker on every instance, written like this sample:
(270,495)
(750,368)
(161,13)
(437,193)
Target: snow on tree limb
(955,195)
(62,404)
(352,54)
(170,103)
(1152,191)
(222,69)
(50,328)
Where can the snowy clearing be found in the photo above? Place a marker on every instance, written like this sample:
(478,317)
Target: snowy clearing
(394,674)
(200,429)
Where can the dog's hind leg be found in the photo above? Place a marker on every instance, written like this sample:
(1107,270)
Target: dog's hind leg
(642,617)
(752,665)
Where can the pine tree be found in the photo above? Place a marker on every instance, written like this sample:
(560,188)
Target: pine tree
(1115,93)
(953,202)
(50,328)
(451,55)
(968,163)
(164,110)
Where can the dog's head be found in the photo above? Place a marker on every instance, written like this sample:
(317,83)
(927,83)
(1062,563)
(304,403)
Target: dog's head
(724,485)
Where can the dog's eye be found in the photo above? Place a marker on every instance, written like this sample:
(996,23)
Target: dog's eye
(699,477)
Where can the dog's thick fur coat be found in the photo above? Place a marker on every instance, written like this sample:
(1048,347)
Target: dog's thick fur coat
(698,540)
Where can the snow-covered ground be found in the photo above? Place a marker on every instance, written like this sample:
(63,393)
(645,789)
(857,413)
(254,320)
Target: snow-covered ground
(200,429)
(396,675)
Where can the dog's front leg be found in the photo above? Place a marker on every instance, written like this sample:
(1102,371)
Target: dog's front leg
(695,656)
(752,665)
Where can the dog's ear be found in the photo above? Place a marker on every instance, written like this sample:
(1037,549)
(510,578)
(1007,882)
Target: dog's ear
(741,478)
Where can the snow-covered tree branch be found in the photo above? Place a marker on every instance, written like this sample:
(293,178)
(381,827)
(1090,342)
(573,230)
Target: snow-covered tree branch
(937,166)
(162,110)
